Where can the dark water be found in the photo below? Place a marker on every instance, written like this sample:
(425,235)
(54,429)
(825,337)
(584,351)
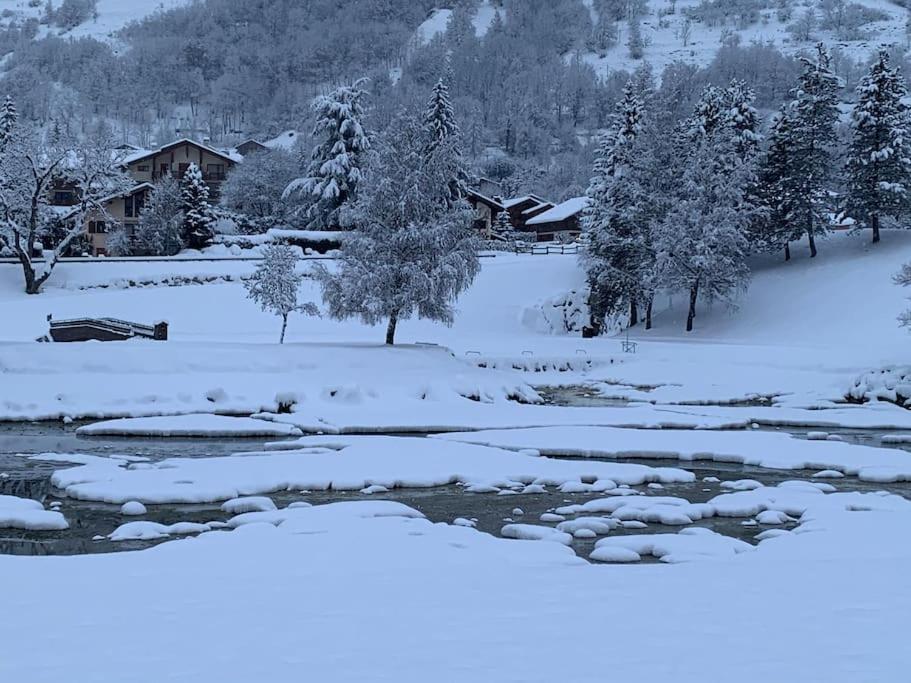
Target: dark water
(30,478)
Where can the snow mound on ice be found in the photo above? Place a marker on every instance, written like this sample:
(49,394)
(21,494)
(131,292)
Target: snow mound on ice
(197,425)
(24,513)
(133,508)
(614,554)
(149,531)
(533,532)
(682,547)
(238,506)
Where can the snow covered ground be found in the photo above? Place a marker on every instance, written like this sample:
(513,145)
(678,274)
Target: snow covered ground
(371,591)
(296,587)
(112,15)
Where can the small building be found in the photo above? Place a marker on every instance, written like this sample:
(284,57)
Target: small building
(486,211)
(248,147)
(175,158)
(119,210)
(562,218)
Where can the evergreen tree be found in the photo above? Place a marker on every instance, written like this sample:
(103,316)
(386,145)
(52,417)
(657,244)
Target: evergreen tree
(413,251)
(8,118)
(334,171)
(160,228)
(701,242)
(778,186)
(616,252)
(444,137)
(198,218)
(743,118)
(275,283)
(815,118)
(879,159)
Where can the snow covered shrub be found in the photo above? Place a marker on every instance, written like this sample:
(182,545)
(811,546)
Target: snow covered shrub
(892,384)
(275,283)
(564,314)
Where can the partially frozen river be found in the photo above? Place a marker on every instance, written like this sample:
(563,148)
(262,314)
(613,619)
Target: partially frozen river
(90,522)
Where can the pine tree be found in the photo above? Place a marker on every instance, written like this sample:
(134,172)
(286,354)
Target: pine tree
(8,118)
(445,137)
(616,251)
(701,242)
(334,171)
(778,186)
(815,118)
(413,252)
(275,283)
(743,118)
(198,217)
(878,167)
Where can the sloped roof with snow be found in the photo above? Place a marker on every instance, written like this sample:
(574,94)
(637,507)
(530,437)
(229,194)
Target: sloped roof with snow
(285,140)
(561,212)
(145,153)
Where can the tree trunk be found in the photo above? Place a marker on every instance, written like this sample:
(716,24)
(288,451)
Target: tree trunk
(874,223)
(281,340)
(812,239)
(648,311)
(694,294)
(787,251)
(390,328)
(633,313)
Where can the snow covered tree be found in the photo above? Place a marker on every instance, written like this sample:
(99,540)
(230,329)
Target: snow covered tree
(160,228)
(878,167)
(814,138)
(334,171)
(254,190)
(778,186)
(8,118)
(198,216)
(616,252)
(701,243)
(445,137)
(275,285)
(29,166)
(743,117)
(413,252)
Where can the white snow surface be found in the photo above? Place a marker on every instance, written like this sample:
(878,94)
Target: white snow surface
(24,513)
(199,425)
(340,464)
(367,561)
(763,449)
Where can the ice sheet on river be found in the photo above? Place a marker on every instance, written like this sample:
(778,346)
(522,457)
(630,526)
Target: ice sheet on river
(763,449)
(348,463)
(193,425)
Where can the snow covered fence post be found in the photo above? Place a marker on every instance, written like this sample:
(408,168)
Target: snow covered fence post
(275,283)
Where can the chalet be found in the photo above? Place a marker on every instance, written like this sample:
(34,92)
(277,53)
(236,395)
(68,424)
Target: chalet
(119,209)
(248,147)
(175,158)
(564,218)
(486,211)
(517,206)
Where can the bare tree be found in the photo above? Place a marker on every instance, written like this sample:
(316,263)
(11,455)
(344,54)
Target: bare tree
(30,164)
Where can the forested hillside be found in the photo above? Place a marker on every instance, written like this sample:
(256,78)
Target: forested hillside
(532,80)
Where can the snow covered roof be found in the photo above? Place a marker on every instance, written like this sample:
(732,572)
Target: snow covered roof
(515,201)
(495,203)
(561,211)
(537,207)
(285,140)
(69,211)
(145,153)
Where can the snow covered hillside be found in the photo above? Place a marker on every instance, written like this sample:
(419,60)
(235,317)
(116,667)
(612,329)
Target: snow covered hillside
(111,15)
(670,35)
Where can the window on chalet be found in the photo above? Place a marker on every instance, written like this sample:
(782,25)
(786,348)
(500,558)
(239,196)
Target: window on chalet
(63,197)
(128,206)
(215,171)
(143,168)
(97,228)
(165,169)
(182,170)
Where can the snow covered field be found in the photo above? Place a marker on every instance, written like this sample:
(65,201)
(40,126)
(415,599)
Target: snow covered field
(290,590)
